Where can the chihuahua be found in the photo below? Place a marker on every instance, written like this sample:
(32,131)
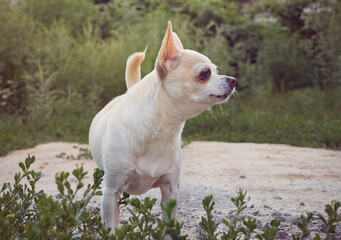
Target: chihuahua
(136,138)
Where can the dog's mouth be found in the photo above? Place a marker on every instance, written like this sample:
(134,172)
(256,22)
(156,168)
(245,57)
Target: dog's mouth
(220,96)
(224,96)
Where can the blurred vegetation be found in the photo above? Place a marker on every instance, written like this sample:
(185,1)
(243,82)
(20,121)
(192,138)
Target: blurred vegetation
(61,61)
(28,213)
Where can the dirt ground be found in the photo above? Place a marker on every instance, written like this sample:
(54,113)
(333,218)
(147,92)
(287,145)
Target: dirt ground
(283,181)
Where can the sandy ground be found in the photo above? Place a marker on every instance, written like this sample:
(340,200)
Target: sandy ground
(283,181)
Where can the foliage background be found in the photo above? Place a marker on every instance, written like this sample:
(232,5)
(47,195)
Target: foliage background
(61,61)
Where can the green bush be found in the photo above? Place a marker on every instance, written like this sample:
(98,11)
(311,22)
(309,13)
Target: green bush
(30,214)
(73,13)
(61,61)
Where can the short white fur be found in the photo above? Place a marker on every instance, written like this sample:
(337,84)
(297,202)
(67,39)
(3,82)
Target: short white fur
(136,138)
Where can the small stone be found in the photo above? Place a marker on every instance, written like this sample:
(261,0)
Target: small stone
(276,214)
(59,196)
(124,222)
(302,204)
(278,198)
(282,235)
(252,206)
(295,220)
(255,213)
(259,224)
(279,216)
(242,177)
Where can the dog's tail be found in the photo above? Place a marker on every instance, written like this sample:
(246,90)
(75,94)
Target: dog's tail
(133,73)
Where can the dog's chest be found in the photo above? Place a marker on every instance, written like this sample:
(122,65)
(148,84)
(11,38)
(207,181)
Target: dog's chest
(158,159)
(158,163)
(137,184)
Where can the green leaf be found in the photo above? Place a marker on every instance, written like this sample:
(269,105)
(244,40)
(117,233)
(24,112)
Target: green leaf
(29,160)
(22,166)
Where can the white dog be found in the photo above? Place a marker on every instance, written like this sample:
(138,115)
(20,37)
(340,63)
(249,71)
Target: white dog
(136,138)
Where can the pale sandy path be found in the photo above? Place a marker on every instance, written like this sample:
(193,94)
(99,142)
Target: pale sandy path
(283,181)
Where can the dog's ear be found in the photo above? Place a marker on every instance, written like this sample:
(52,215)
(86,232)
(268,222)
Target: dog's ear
(169,56)
(177,41)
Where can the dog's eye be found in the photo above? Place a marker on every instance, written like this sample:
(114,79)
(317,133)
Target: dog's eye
(205,74)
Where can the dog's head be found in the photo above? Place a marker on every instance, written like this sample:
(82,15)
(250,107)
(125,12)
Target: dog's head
(190,78)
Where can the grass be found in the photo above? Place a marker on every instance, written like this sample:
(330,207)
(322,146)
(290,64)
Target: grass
(307,118)
(58,69)
(18,132)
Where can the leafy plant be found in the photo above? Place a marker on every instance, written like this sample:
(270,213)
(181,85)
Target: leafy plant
(304,226)
(269,232)
(333,218)
(144,224)
(26,213)
(207,224)
(41,96)
(239,227)
(330,223)
(61,61)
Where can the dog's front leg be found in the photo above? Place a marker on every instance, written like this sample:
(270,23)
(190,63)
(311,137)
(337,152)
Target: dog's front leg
(169,191)
(110,211)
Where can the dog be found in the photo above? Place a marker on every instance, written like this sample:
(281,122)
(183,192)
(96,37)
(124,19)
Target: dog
(136,138)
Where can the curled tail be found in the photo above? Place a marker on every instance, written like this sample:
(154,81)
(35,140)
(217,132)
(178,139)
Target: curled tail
(133,73)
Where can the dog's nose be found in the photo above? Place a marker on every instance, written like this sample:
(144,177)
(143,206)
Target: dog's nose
(231,80)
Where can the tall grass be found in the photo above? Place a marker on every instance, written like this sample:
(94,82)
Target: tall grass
(62,61)
(306,117)
(302,117)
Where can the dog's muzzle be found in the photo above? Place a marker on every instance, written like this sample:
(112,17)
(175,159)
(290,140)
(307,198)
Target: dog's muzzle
(230,87)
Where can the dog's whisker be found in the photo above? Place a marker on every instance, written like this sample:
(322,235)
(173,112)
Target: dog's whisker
(221,108)
(213,114)
(236,94)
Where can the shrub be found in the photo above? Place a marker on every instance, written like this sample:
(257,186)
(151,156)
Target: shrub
(61,61)
(30,214)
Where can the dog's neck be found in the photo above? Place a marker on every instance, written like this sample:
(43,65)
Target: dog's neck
(175,112)
(156,114)
(171,111)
